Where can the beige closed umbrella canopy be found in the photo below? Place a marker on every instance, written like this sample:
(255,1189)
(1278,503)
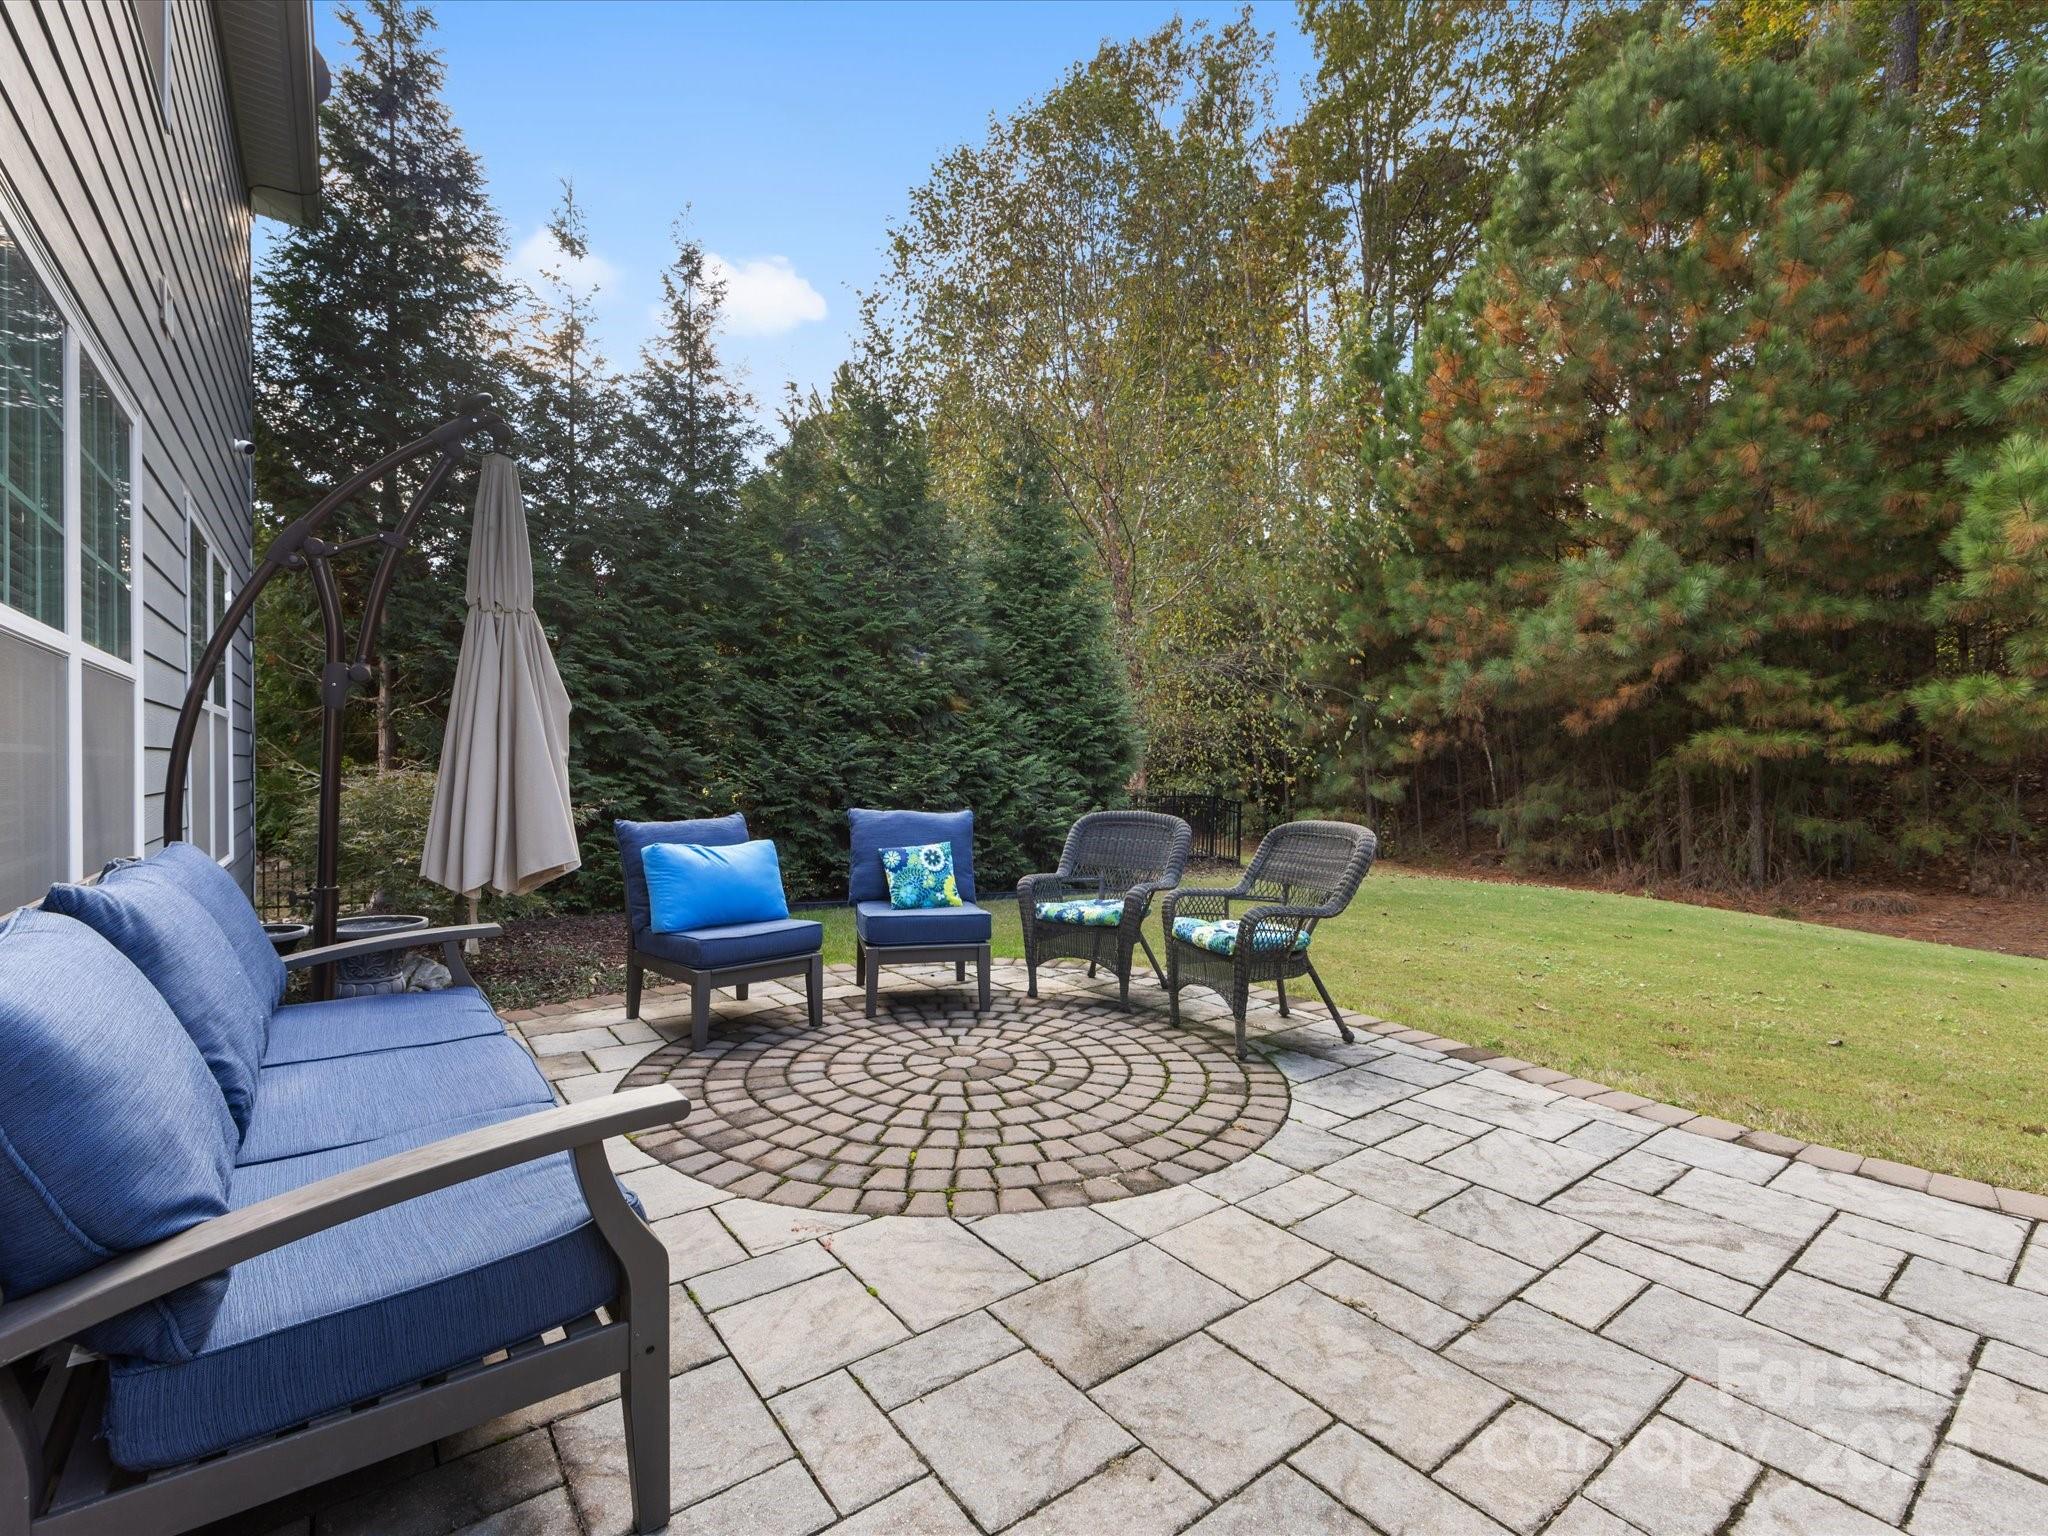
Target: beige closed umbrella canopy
(501,802)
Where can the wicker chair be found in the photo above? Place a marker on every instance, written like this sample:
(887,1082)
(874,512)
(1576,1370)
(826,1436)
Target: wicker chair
(1110,857)
(1303,872)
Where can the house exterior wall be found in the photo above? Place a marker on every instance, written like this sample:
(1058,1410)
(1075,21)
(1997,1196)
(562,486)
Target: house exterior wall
(121,186)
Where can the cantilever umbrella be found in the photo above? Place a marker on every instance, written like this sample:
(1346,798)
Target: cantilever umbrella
(501,803)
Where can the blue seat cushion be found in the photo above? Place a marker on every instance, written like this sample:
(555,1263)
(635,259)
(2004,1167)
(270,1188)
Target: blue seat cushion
(361,1026)
(1221,938)
(312,1106)
(872,831)
(1096,912)
(708,949)
(113,1135)
(368,1306)
(147,915)
(635,837)
(202,878)
(880,925)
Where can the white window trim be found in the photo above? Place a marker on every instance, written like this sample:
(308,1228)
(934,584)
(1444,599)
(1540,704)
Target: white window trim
(69,642)
(211,602)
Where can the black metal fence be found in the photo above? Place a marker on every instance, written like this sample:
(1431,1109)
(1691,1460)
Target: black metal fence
(1216,822)
(284,891)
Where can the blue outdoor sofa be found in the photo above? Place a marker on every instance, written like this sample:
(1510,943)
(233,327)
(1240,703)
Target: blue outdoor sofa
(248,1245)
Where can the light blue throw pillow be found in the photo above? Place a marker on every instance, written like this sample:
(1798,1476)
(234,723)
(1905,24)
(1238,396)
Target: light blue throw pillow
(696,885)
(921,877)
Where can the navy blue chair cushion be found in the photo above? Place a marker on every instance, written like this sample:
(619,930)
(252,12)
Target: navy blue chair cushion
(201,878)
(313,1106)
(148,917)
(369,1306)
(881,925)
(872,831)
(706,949)
(113,1134)
(363,1026)
(635,836)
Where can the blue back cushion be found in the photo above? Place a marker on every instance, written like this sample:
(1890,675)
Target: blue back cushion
(200,876)
(872,831)
(112,1132)
(690,885)
(636,836)
(167,935)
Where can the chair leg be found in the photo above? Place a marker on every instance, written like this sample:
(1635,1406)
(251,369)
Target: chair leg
(643,1307)
(700,1013)
(740,991)
(959,970)
(1123,978)
(1240,1004)
(1094,955)
(1281,983)
(1172,986)
(634,974)
(1145,944)
(860,961)
(981,964)
(873,967)
(814,991)
(1342,1028)
(1030,967)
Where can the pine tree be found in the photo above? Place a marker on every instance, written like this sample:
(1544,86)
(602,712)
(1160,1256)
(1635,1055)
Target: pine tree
(571,416)
(375,322)
(1054,680)
(1676,485)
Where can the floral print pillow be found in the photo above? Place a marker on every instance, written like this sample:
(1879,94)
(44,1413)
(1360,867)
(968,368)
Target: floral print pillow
(921,876)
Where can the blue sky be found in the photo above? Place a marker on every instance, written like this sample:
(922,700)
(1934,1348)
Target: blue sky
(793,132)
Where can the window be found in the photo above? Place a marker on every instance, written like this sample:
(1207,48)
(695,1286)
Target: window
(209,819)
(154,18)
(70,707)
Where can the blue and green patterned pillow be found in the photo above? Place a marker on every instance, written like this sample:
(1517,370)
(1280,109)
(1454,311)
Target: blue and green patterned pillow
(1095,912)
(921,876)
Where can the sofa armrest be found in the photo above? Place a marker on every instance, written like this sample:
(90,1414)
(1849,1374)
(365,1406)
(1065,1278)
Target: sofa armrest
(59,1311)
(379,943)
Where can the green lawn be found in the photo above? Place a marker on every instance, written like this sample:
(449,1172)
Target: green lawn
(1921,1052)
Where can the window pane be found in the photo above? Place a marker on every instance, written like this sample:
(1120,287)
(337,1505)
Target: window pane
(198,628)
(223,785)
(34,835)
(199,787)
(107,723)
(103,495)
(220,613)
(31,441)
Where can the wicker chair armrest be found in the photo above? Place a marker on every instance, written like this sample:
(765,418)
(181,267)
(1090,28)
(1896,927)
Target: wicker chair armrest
(1185,902)
(48,1316)
(1276,918)
(1058,886)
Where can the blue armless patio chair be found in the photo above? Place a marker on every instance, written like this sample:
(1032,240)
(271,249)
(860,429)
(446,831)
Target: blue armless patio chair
(885,934)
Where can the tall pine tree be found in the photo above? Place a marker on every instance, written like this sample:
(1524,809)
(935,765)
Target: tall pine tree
(376,321)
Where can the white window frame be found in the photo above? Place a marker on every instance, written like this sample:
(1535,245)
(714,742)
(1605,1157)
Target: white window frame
(70,642)
(216,592)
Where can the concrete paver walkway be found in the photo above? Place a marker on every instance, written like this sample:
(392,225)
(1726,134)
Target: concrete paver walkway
(1437,1299)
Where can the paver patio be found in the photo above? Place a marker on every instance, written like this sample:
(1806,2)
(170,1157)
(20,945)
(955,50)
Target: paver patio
(1434,1298)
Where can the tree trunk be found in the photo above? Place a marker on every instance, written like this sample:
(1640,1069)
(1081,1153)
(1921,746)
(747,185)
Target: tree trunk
(1759,862)
(1902,71)
(1685,829)
(387,756)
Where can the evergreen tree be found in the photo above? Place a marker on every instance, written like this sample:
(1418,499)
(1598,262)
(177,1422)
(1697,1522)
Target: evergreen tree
(1054,681)
(1676,490)
(376,321)
(572,420)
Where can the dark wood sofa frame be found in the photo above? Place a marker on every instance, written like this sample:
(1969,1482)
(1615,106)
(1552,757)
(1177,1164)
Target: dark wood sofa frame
(55,1476)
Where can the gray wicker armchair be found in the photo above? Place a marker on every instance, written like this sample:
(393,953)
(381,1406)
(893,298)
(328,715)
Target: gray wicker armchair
(1303,872)
(1113,864)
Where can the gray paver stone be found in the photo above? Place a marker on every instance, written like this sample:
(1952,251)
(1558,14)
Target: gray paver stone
(1448,1270)
(850,1446)
(1391,1495)
(805,1330)
(929,1361)
(927,1270)
(1240,1251)
(1282,1500)
(1138,1495)
(1968,1496)
(1093,1321)
(1673,1481)
(1523,1467)
(780,1502)
(1589,1382)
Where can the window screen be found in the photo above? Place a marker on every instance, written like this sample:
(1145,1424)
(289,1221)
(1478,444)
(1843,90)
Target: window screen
(34,824)
(104,500)
(107,726)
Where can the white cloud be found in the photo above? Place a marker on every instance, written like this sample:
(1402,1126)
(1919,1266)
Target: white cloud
(766,296)
(539,250)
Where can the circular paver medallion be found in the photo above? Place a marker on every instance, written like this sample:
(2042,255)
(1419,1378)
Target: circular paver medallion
(928,1108)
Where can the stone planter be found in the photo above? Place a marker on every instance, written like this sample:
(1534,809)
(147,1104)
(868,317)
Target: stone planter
(286,937)
(370,974)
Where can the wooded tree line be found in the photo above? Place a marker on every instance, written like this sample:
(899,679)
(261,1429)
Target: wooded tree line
(787,637)
(1607,433)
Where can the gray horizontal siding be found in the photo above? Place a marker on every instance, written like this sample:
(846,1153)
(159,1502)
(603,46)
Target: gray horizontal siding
(127,201)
